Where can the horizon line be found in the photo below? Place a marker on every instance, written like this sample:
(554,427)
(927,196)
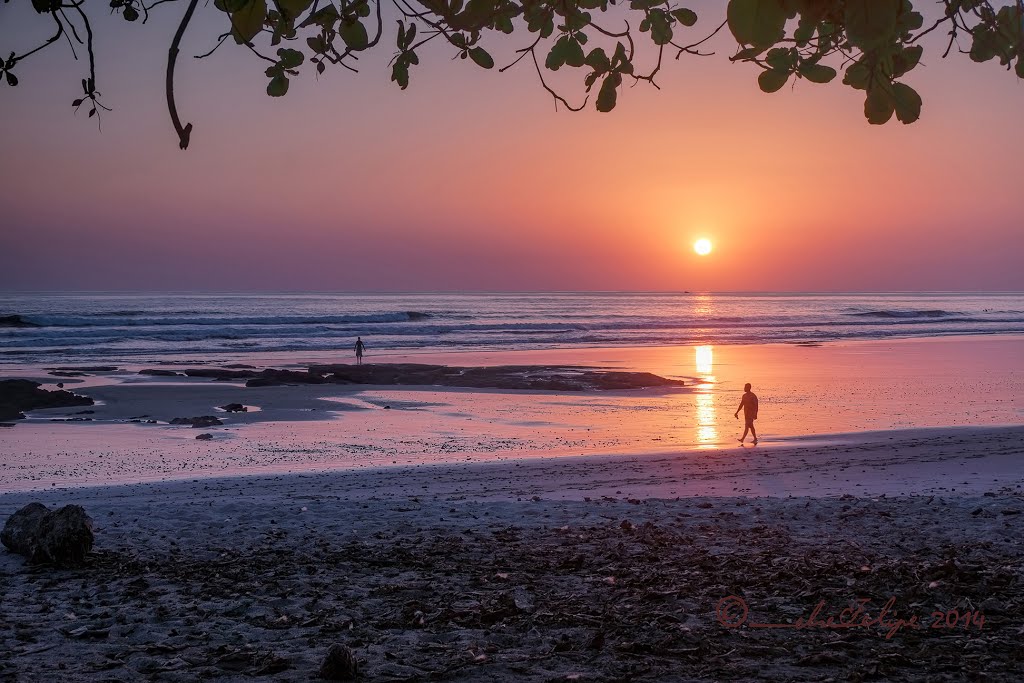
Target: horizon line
(485,292)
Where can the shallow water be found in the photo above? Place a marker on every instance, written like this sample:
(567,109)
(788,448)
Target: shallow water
(835,388)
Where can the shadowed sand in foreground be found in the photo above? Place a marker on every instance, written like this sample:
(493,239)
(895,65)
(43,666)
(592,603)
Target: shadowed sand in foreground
(550,569)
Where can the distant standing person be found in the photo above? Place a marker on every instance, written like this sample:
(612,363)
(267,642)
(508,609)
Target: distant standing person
(360,347)
(748,404)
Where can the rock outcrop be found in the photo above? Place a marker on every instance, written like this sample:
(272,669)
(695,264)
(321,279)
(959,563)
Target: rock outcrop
(63,536)
(523,377)
(18,395)
(198,422)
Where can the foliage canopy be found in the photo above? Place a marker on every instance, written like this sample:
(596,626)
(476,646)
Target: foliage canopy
(874,42)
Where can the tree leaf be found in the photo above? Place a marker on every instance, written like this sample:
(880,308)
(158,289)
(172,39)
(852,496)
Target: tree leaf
(45,6)
(857,76)
(781,58)
(293,8)
(574,53)
(756,22)
(817,73)
(556,57)
(907,102)
(598,60)
(871,22)
(400,74)
(608,94)
(985,45)
(772,80)
(686,17)
(906,60)
(661,29)
(354,34)
(805,29)
(878,106)
(12,80)
(130,13)
(325,17)
(480,56)
(317,44)
(278,86)
(247,22)
(289,59)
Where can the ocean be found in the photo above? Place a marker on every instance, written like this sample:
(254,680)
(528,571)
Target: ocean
(119,327)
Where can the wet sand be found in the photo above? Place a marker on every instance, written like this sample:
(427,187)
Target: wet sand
(804,391)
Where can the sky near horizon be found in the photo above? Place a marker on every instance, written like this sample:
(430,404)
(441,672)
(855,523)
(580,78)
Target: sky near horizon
(469,180)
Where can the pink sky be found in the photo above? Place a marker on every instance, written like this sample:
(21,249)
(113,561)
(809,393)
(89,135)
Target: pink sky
(469,180)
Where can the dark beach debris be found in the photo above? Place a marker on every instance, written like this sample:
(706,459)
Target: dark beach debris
(198,422)
(602,601)
(18,395)
(340,664)
(234,408)
(62,537)
(204,437)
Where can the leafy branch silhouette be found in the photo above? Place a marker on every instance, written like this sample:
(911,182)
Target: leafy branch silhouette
(876,43)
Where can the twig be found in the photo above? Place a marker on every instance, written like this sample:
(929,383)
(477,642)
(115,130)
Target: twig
(184,133)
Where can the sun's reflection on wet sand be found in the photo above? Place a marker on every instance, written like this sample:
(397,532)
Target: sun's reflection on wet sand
(705,360)
(707,421)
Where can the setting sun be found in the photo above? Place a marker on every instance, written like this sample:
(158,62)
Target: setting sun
(702,247)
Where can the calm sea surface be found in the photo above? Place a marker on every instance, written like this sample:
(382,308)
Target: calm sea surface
(125,327)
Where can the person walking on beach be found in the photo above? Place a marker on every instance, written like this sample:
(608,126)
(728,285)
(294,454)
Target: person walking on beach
(360,347)
(748,404)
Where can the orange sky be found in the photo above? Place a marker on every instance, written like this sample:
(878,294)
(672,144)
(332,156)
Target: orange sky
(469,180)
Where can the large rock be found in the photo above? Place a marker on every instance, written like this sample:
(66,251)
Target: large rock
(17,395)
(22,527)
(62,537)
(340,664)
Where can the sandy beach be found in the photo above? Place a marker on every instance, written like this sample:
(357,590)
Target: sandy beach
(463,534)
(548,569)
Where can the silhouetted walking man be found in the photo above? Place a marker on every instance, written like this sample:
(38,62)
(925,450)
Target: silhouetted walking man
(360,347)
(749,406)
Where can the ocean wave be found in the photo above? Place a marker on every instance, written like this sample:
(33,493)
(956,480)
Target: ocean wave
(131,319)
(929,313)
(764,328)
